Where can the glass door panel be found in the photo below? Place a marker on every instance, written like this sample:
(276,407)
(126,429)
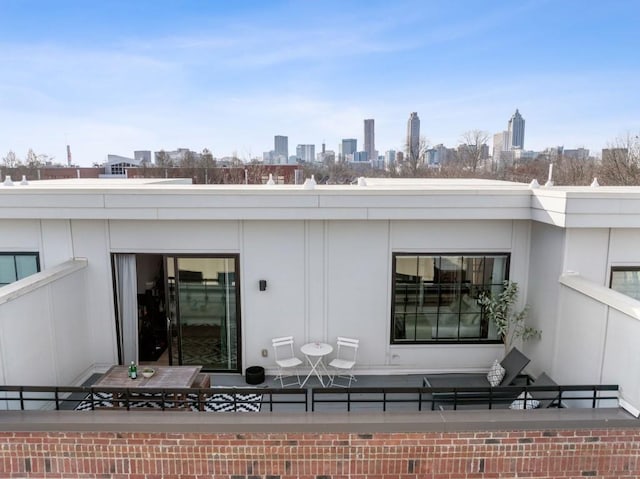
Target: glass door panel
(203,311)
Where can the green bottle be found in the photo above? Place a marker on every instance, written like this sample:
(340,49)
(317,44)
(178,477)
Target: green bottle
(133,370)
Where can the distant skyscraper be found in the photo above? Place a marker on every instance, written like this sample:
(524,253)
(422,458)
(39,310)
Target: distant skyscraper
(499,144)
(413,136)
(360,156)
(390,158)
(370,139)
(516,132)
(306,153)
(348,147)
(281,147)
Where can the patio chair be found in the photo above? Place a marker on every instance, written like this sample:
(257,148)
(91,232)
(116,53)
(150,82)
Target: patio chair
(546,399)
(345,360)
(286,360)
(513,364)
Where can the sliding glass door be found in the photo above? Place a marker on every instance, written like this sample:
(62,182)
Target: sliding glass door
(204,311)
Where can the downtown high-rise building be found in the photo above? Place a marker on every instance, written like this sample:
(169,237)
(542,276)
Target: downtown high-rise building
(515,132)
(370,139)
(281,147)
(413,137)
(347,148)
(306,153)
(389,158)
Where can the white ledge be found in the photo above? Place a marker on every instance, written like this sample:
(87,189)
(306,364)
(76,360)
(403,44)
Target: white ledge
(38,280)
(613,299)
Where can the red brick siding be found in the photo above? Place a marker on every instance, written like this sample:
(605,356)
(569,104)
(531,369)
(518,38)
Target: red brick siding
(606,453)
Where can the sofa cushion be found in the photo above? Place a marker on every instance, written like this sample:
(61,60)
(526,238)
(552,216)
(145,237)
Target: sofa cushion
(520,402)
(495,374)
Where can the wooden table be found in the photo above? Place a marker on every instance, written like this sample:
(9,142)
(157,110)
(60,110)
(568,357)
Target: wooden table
(165,377)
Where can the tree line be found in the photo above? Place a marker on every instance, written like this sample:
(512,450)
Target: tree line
(619,166)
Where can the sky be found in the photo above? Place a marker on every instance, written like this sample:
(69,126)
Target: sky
(112,77)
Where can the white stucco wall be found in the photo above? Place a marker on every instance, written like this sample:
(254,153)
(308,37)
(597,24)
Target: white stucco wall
(325,278)
(598,337)
(275,253)
(580,337)
(587,252)
(44,329)
(624,248)
(621,357)
(546,263)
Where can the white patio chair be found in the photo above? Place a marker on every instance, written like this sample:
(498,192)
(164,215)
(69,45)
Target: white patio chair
(345,360)
(286,359)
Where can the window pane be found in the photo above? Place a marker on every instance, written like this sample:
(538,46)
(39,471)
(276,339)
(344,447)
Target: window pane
(7,269)
(26,265)
(626,282)
(435,297)
(496,269)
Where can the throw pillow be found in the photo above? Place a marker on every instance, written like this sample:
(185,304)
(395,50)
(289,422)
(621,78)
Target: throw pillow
(496,373)
(520,402)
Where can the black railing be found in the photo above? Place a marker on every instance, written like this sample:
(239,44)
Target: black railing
(295,399)
(443,398)
(174,399)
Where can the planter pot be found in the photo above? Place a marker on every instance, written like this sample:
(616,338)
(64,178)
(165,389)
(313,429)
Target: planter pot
(254,375)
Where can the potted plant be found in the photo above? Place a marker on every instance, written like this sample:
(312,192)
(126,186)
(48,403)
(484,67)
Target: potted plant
(510,325)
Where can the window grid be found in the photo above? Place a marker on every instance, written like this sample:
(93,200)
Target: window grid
(435,296)
(15,266)
(626,280)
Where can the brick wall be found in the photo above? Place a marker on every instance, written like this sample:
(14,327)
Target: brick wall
(606,453)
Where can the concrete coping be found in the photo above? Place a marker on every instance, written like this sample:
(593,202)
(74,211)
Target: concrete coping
(206,422)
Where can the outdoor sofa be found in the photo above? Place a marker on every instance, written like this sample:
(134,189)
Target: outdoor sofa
(475,387)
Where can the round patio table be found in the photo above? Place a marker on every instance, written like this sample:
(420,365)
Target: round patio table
(314,352)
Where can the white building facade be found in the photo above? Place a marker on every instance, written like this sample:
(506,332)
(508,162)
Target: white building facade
(356,261)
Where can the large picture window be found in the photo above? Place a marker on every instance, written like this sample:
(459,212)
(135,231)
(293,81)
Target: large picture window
(435,296)
(626,280)
(15,266)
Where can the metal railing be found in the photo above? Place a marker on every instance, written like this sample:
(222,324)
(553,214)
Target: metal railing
(443,398)
(164,399)
(297,399)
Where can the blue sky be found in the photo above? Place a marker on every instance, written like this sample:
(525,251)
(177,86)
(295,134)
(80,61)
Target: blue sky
(117,76)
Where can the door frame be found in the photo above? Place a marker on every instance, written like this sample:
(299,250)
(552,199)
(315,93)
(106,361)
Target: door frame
(238,339)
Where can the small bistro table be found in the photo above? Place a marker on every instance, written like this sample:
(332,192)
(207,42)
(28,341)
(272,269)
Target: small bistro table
(314,352)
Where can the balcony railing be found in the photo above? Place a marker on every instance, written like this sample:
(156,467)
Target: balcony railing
(443,398)
(321,399)
(165,399)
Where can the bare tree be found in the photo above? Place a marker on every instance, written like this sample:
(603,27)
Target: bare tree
(10,160)
(414,161)
(33,161)
(163,160)
(569,170)
(621,162)
(206,159)
(473,150)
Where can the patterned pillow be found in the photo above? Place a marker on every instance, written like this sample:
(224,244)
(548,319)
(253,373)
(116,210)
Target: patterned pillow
(496,373)
(520,402)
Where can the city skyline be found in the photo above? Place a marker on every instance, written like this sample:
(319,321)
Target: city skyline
(119,77)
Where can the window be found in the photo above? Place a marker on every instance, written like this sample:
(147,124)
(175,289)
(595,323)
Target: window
(626,280)
(435,296)
(15,266)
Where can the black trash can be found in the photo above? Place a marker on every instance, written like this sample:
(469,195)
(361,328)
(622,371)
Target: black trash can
(254,375)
